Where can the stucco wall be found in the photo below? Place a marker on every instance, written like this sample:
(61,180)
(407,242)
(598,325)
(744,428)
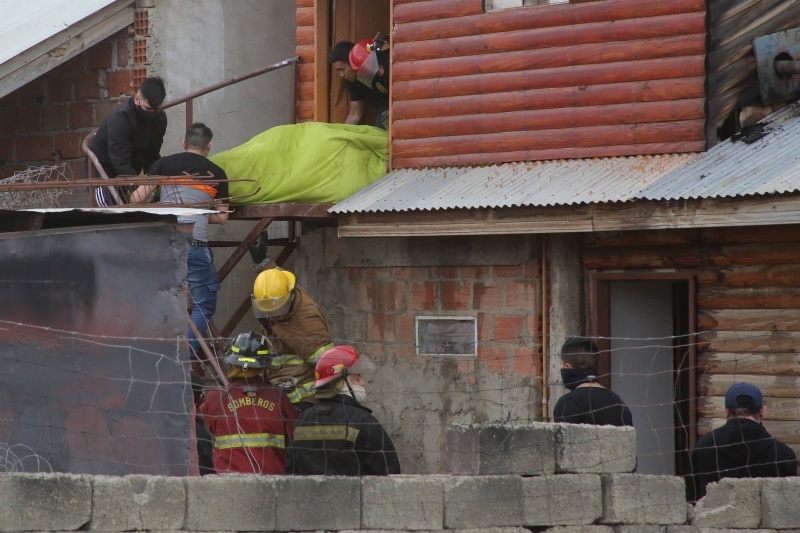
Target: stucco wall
(372,290)
(202,42)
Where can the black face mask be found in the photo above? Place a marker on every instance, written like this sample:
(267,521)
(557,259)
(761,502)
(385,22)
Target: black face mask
(572,377)
(144,115)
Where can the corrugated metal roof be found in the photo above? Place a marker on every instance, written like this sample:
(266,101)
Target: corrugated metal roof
(38,35)
(768,165)
(539,183)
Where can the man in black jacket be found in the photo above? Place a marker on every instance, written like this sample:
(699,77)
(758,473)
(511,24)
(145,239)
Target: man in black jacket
(741,448)
(338,436)
(129,139)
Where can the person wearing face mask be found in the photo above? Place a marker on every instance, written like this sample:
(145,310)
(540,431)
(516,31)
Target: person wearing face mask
(588,402)
(129,139)
(338,436)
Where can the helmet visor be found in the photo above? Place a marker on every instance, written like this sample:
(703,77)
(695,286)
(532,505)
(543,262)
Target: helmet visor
(270,306)
(366,73)
(363,365)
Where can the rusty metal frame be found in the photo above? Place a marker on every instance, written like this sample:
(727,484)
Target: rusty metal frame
(600,323)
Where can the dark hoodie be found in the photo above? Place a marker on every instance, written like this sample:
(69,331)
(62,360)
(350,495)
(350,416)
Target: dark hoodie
(741,448)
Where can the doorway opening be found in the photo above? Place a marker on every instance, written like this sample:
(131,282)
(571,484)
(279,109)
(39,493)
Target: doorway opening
(345,20)
(645,325)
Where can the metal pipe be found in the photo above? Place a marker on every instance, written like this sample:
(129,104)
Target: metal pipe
(785,67)
(231,81)
(210,357)
(545,361)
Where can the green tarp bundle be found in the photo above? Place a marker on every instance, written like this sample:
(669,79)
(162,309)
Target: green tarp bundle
(313,162)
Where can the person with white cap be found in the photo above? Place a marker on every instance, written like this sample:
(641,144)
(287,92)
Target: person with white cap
(741,448)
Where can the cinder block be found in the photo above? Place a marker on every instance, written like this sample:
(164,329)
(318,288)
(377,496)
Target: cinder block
(568,499)
(311,503)
(230,503)
(138,503)
(583,448)
(779,503)
(722,530)
(730,503)
(640,528)
(579,529)
(479,502)
(642,499)
(407,503)
(44,502)
(495,449)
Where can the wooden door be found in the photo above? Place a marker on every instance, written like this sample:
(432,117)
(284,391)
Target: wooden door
(354,20)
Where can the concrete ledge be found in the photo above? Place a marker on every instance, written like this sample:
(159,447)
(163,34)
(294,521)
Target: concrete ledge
(569,499)
(230,502)
(487,449)
(730,503)
(641,499)
(780,503)
(478,502)
(45,502)
(582,448)
(311,503)
(408,503)
(136,503)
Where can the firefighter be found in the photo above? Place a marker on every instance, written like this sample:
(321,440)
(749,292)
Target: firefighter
(338,436)
(251,420)
(297,330)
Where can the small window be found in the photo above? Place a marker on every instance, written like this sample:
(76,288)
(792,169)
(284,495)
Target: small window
(497,5)
(447,335)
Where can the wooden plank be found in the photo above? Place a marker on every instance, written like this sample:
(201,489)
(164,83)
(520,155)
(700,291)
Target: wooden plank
(552,16)
(284,211)
(784,431)
(685,130)
(436,10)
(549,98)
(306,72)
(566,56)
(305,16)
(646,257)
(776,408)
(304,35)
(641,238)
(305,111)
(322,37)
(777,386)
(756,254)
(305,90)
(577,76)
(540,155)
(749,319)
(553,38)
(772,364)
(749,298)
(750,341)
(241,250)
(305,3)
(751,276)
(713,212)
(779,233)
(306,52)
(544,119)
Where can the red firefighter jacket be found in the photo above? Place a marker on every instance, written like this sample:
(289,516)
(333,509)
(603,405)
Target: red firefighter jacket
(252,423)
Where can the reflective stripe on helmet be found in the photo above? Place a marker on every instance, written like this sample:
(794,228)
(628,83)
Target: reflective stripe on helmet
(251,440)
(347,433)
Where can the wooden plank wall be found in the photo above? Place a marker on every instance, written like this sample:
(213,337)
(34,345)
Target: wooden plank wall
(733,24)
(306,50)
(604,78)
(748,303)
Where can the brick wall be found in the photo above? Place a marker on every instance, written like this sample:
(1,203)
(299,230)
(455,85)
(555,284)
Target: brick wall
(506,300)
(47,119)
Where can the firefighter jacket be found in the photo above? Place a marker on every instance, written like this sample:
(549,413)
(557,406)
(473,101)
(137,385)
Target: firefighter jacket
(340,437)
(252,423)
(299,337)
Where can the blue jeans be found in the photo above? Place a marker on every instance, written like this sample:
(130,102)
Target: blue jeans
(201,279)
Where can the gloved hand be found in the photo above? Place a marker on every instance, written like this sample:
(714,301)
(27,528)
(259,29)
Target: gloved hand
(258,248)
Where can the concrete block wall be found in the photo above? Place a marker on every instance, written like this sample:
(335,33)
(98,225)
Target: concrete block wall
(560,503)
(46,120)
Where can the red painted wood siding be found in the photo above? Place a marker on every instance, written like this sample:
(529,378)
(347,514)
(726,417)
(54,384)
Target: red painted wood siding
(605,78)
(305,49)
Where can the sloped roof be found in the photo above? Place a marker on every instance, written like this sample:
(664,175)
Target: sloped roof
(37,36)
(766,162)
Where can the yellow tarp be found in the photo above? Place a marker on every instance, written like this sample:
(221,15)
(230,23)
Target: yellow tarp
(313,162)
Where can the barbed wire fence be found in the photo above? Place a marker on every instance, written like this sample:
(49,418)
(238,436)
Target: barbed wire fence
(36,199)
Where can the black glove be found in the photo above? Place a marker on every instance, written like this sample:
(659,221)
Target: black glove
(258,249)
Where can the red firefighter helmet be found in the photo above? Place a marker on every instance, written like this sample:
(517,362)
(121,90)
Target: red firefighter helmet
(360,52)
(364,60)
(339,361)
